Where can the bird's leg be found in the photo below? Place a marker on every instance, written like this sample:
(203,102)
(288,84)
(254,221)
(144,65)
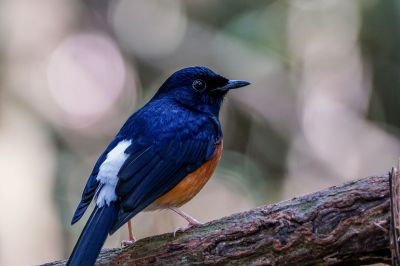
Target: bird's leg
(132,238)
(131,235)
(192,221)
(187,217)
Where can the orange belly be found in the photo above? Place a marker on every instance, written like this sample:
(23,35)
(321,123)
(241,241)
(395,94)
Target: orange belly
(190,185)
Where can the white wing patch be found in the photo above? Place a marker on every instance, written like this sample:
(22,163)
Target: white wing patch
(108,172)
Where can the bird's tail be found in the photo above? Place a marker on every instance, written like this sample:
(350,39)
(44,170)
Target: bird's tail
(93,236)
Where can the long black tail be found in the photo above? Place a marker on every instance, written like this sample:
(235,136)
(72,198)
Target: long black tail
(93,236)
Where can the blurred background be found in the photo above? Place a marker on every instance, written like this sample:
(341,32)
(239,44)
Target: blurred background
(323,107)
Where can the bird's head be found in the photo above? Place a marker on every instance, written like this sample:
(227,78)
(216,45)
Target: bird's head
(199,88)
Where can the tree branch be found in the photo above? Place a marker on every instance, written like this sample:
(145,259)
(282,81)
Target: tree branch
(345,225)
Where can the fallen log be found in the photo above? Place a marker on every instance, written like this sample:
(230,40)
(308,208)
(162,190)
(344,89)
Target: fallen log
(341,225)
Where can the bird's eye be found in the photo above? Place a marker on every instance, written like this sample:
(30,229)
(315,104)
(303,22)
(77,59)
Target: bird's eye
(199,85)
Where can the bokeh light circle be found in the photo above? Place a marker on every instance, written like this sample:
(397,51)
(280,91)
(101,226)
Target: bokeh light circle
(85,76)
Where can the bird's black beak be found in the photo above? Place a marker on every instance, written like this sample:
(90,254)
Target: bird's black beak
(233,84)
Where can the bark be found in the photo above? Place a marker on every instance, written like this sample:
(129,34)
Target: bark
(344,225)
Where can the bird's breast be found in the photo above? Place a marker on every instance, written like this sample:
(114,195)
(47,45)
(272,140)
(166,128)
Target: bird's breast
(190,185)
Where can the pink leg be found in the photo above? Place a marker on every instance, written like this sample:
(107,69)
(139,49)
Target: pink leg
(192,221)
(132,238)
(131,235)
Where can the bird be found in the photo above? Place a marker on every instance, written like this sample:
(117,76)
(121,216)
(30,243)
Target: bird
(160,159)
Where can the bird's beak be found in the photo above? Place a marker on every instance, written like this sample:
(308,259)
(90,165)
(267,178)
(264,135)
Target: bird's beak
(233,84)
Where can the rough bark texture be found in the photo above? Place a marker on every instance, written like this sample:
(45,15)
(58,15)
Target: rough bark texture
(345,225)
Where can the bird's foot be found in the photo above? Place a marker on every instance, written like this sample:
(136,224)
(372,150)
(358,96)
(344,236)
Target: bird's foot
(192,221)
(132,238)
(182,229)
(125,243)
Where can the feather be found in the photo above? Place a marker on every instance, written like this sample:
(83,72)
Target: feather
(93,236)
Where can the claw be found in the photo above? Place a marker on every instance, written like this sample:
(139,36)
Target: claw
(192,221)
(183,229)
(125,243)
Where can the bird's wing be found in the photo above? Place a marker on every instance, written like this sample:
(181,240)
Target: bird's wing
(147,176)
(87,196)
(92,184)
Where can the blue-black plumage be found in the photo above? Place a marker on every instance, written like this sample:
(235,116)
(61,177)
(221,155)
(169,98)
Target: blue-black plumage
(93,236)
(175,136)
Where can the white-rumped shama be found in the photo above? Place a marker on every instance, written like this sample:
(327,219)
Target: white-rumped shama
(160,159)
